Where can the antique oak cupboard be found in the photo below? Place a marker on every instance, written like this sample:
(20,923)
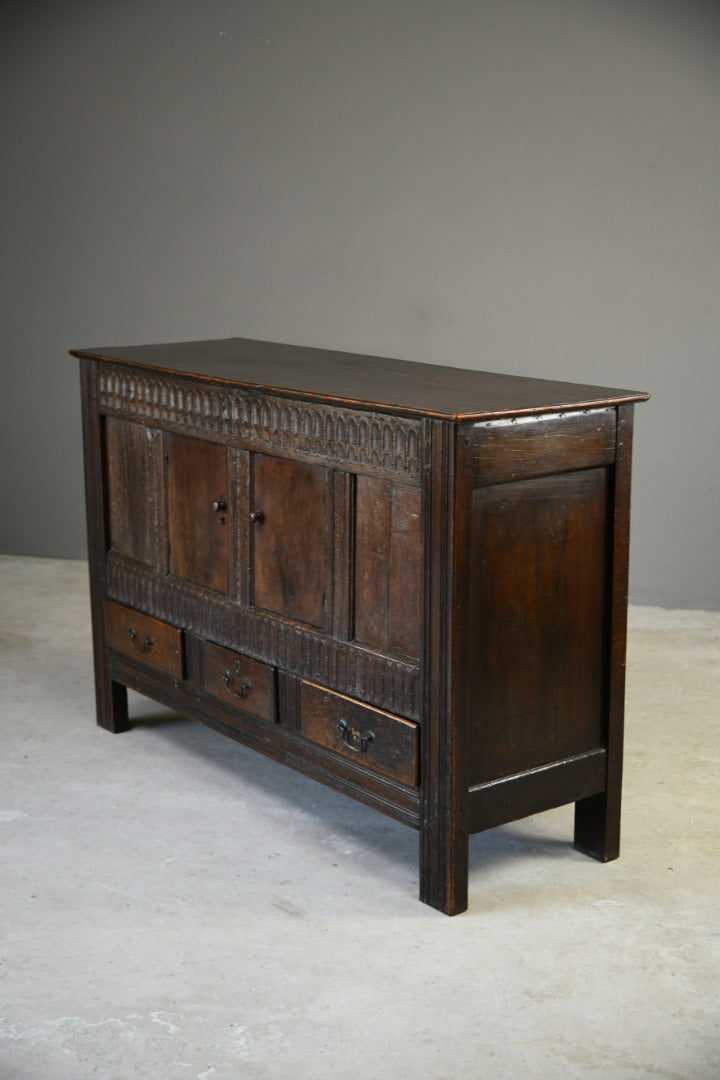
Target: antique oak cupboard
(407,581)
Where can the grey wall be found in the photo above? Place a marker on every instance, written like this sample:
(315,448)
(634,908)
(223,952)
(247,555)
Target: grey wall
(527,186)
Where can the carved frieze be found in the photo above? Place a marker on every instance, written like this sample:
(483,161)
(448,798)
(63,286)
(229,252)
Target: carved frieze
(381,681)
(355,438)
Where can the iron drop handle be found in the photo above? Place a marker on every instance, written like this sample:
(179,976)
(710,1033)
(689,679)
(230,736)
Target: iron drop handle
(354,739)
(228,677)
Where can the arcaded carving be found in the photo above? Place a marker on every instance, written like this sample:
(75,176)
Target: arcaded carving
(354,437)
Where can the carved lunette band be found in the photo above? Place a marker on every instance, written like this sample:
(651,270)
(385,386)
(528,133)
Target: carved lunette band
(386,683)
(256,420)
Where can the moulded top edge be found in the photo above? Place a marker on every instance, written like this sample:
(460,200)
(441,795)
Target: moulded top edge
(370,382)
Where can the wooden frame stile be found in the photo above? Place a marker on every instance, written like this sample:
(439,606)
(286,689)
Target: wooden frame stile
(242,498)
(111,697)
(444,836)
(597,818)
(159,499)
(343,601)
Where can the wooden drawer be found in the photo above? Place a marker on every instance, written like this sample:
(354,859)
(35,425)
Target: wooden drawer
(235,679)
(143,638)
(375,739)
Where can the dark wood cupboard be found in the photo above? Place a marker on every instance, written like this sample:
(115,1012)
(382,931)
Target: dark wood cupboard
(407,581)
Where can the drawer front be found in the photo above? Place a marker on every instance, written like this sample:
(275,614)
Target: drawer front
(237,680)
(369,737)
(143,638)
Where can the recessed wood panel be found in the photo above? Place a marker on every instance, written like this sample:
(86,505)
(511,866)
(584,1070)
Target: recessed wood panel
(526,446)
(128,454)
(198,511)
(538,621)
(291,539)
(388,566)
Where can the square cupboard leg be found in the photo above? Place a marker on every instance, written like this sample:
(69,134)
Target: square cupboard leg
(112,707)
(597,826)
(444,869)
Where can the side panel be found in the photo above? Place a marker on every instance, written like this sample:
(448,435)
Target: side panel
(538,621)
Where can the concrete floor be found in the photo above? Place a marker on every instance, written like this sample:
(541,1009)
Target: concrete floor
(177,907)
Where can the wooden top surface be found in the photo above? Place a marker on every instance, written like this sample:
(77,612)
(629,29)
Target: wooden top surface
(367,381)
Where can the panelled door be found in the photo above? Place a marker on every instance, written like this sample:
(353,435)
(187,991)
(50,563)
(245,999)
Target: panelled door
(198,511)
(291,539)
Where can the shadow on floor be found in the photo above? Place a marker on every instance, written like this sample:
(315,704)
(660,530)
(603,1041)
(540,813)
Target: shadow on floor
(331,810)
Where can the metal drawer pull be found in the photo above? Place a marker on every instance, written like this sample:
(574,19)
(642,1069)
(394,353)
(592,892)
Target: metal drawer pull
(354,739)
(146,645)
(228,677)
(257,517)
